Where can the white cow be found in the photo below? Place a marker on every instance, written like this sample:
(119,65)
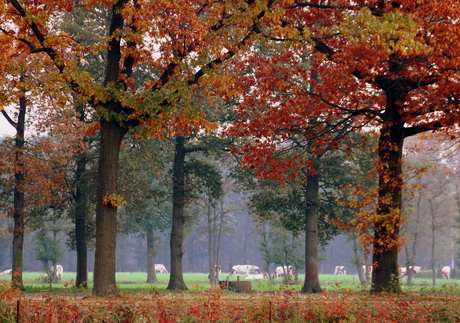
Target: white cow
(367,269)
(340,270)
(217,272)
(7,272)
(160,268)
(446,272)
(59,271)
(258,276)
(244,269)
(281,270)
(403,272)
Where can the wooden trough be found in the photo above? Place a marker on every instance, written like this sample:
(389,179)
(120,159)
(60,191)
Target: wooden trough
(237,286)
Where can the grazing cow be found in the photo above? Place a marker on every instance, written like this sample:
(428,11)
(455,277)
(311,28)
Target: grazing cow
(59,271)
(258,276)
(7,272)
(340,270)
(446,272)
(160,268)
(367,269)
(244,269)
(403,272)
(217,272)
(281,270)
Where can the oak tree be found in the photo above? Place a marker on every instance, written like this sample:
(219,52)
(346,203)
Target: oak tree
(391,66)
(181,41)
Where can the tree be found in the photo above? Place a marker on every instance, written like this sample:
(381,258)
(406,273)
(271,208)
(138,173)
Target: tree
(306,199)
(146,184)
(48,250)
(201,37)
(36,167)
(386,64)
(189,178)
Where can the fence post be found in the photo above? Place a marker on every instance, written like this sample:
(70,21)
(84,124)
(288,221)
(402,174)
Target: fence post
(17,311)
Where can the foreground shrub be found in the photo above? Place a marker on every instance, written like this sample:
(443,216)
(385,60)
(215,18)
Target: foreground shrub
(217,306)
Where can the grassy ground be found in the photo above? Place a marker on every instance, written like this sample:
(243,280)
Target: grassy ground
(136,282)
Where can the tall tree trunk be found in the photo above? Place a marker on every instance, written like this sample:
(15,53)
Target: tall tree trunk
(18,198)
(106,213)
(211,243)
(433,231)
(81,213)
(151,274)
(385,273)
(176,279)
(311,284)
(411,253)
(219,234)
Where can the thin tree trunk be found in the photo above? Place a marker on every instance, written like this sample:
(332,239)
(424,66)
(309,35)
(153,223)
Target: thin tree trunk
(412,253)
(106,213)
(211,244)
(151,274)
(18,199)
(356,261)
(311,284)
(433,229)
(81,213)
(176,279)
(219,234)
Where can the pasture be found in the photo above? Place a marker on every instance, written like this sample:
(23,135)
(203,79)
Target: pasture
(136,282)
(344,300)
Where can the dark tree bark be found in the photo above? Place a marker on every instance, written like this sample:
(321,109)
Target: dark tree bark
(112,132)
(18,197)
(81,214)
(311,284)
(176,280)
(106,220)
(151,274)
(211,228)
(385,274)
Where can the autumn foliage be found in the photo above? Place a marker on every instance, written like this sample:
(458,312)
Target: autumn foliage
(218,306)
(389,67)
(303,72)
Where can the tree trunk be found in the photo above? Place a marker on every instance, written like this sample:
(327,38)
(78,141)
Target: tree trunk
(151,274)
(412,253)
(385,273)
(311,284)
(106,213)
(356,260)
(433,230)
(212,263)
(18,198)
(176,279)
(81,213)
(219,234)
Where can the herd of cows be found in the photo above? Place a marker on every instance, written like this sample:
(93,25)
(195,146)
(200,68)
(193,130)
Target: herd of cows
(254,272)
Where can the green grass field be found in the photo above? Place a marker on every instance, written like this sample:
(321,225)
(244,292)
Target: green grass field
(136,283)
